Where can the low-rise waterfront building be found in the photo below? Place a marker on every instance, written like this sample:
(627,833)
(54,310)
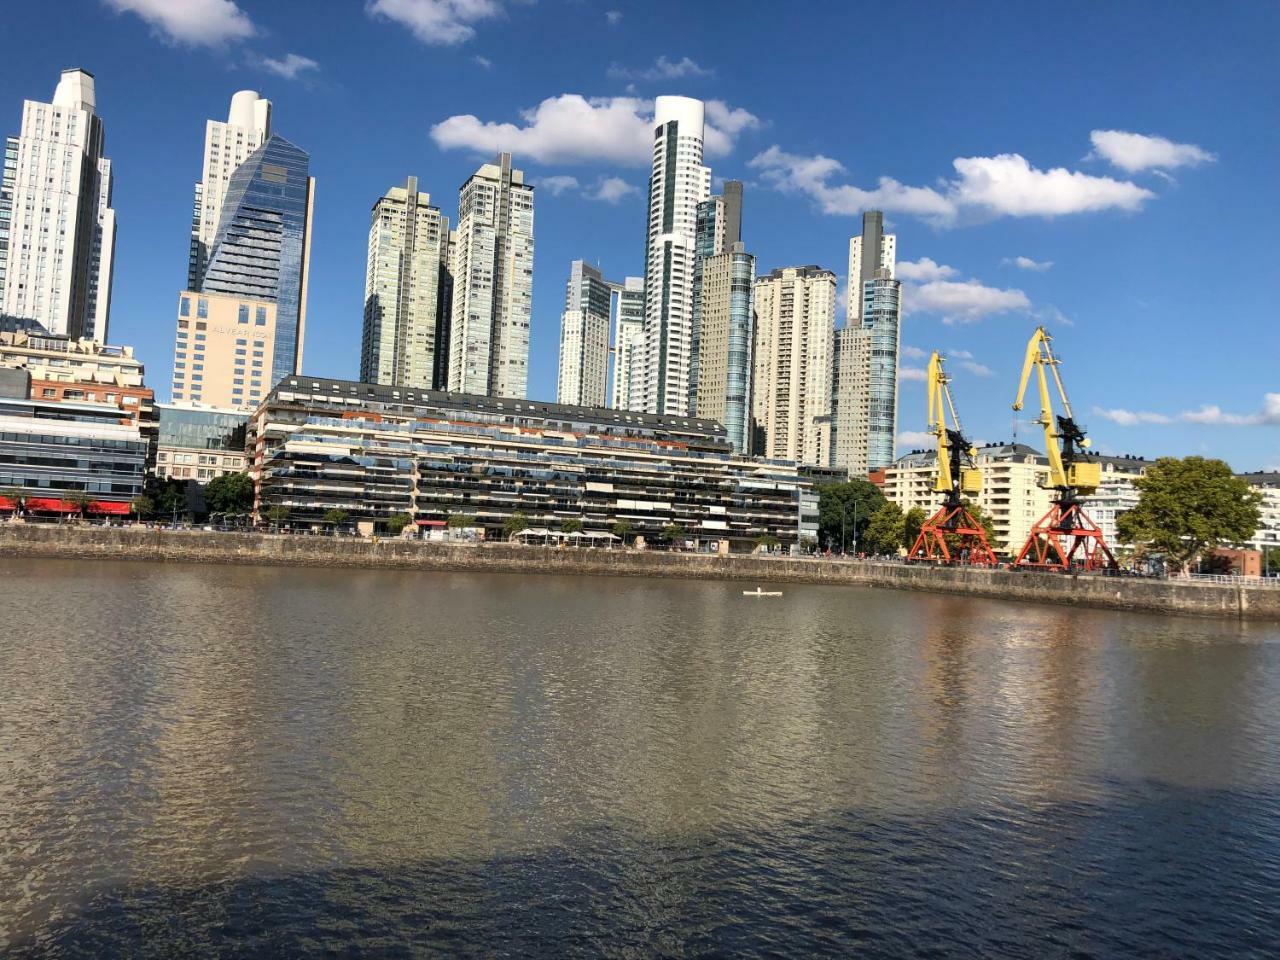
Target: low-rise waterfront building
(1267,536)
(1115,495)
(57,452)
(199,443)
(377,451)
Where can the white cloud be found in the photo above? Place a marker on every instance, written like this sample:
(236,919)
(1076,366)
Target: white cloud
(1269,415)
(1026,263)
(480,61)
(556,185)
(1130,418)
(1209,414)
(571,128)
(612,190)
(977,369)
(291,67)
(962,301)
(614,17)
(915,353)
(911,373)
(924,270)
(985,187)
(662,69)
(916,438)
(436,22)
(1135,151)
(198,23)
(959,354)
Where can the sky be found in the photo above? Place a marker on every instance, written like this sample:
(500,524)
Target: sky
(1106,170)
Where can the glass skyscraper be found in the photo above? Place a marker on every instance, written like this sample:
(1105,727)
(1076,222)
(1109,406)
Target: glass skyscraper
(881,298)
(262,247)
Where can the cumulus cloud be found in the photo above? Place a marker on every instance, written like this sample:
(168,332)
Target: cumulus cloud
(1006,185)
(662,69)
(966,301)
(197,23)
(614,17)
(442,23)
(924,270)
(612,190)
(480,61)
(556,185)
(915,438)
(291,66)
(911,373)
(914,353)
(1026,263)
(1209,414)
(1135,151)
(976,368)
(571,128)
(1130,418)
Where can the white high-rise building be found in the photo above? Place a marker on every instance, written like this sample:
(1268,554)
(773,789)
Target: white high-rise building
(584,338)
(628,338)
(791,383)
(226,146)
(406,291)
(678,183)
(493,283)
(872,238)
(56,268)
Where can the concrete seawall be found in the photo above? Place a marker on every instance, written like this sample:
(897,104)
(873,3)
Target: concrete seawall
(116,543)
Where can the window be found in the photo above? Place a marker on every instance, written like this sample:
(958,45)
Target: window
(48,392)
(242,343)
(260,317)
(202,308)
(185,309)
(244,314)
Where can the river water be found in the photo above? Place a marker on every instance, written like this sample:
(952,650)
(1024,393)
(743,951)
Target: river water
(272,762)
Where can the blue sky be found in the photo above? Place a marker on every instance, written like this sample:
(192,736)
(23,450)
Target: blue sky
(988,133)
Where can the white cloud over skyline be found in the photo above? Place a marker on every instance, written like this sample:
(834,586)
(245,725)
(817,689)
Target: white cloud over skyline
(1006,185)
(197,23)
(663,68)
(443,23)
(571,128)
(1208,414)
(1026,263)
(290,66)
(924,270)
(1133,152)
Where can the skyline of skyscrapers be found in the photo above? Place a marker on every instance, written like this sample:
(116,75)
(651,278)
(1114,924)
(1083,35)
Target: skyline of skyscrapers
(407,294)
(57,225)
(493,283)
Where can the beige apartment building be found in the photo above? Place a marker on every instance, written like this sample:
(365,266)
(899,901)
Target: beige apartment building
(223,350)
(791,398)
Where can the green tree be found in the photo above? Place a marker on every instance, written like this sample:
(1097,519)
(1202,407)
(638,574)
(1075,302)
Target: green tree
(514,524)
(1187,507)
(142,507)
(572,525)
(170,498)
(673,532)
(886,530)
(912,522)
(845,511)
(15,496)
(624,530)
(80,500)
(397,522)
(277,515)
(336,517)
(231,493)
(768,541)
(459,521)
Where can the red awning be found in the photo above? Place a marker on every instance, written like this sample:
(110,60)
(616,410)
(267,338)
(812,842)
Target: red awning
(7,504)
(111,507)
(430,523)
(49,505)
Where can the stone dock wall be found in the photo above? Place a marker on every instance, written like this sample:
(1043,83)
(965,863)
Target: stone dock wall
(136,543)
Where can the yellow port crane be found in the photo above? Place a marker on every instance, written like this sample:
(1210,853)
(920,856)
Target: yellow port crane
(951,535)
(1065,538)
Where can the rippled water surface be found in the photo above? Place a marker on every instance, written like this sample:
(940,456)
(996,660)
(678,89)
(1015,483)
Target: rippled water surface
(269,762)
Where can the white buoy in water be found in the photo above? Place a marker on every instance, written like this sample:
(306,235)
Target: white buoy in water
(758,592)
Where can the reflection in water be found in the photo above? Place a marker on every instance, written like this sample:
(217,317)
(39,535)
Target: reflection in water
(254,760)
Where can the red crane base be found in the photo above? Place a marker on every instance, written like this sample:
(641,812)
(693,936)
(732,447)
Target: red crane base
(973,548)
(1066,538)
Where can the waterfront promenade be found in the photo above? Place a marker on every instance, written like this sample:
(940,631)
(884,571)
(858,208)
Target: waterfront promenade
(1241,600)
